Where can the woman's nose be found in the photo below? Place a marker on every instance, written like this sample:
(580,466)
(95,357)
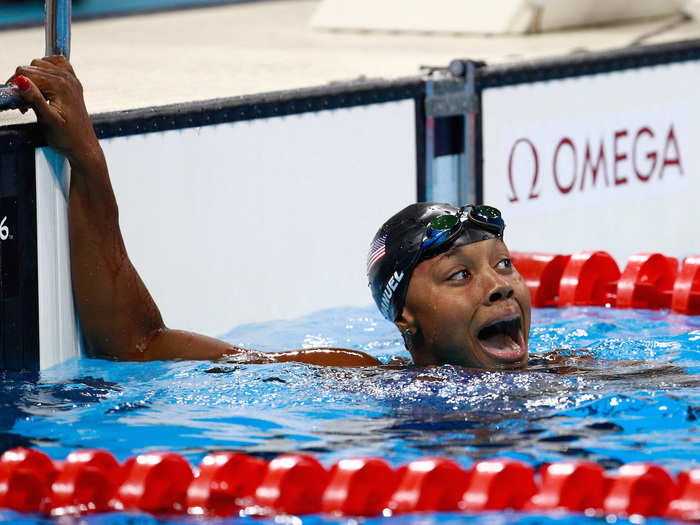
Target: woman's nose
(499,288)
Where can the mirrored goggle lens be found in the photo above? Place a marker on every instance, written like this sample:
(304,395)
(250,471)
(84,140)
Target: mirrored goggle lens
(487,211)
(487,217)
(440,230)
(444,222)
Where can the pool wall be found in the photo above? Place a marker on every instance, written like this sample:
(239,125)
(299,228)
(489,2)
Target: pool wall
(19,309)
(599,154)
(257,207)
(286,230)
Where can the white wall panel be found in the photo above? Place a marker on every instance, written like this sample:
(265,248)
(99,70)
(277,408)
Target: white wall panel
(262,219)
(642,124)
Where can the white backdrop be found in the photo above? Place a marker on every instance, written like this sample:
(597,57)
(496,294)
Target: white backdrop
(607,162)
(262,219)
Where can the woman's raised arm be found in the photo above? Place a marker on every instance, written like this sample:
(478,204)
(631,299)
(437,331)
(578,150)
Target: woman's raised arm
(118,316)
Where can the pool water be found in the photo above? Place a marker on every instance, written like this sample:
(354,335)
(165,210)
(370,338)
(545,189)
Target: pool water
(627,390)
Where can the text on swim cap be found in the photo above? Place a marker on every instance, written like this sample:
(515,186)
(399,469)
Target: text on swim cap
(389,290)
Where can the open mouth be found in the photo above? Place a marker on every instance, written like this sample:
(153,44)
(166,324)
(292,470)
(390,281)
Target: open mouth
(503,339)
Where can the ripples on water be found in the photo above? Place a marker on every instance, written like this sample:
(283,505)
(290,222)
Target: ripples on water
(627,391)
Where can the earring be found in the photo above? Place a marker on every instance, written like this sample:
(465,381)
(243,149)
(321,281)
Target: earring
(407,335)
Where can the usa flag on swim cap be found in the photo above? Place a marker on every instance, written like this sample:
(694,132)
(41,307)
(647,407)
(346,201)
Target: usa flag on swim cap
(376,251)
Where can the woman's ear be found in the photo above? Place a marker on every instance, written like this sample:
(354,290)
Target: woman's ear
(409,329)
(406,321)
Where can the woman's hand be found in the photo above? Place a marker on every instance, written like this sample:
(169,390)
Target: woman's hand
(49,86)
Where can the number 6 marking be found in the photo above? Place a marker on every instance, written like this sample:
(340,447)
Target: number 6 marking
(4,230)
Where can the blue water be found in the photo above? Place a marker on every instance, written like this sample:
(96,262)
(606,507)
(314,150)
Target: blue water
(627,391)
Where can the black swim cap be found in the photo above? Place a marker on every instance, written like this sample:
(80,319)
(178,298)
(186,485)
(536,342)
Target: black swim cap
(396,248)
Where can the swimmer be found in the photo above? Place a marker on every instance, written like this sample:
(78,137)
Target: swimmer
(443,275)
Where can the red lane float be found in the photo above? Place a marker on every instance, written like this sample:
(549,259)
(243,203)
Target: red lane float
(647,282)
(686,289)
(561,483)
(640,488)
(542,273)
(359,487)
(499,484)
(227,482)
(435,484)
(86,483)
(25,479)
(589,280)
(155,482)
(293,484)
(687,505)
(592,278)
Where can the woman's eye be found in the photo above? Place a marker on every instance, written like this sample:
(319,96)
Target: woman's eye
(505,264)
(459,276)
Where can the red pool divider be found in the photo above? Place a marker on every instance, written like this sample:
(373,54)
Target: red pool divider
(429,484)
(227,483)
(647,282)
(542,273)
(687,505)
(26,476)
(156,482)
(686,289)
(293,484)
(640,488)
(589,279)
(359,487)
(86,482)
(560,487)
(592,278)
(497,484)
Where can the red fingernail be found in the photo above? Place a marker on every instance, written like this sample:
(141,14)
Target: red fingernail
(22,82)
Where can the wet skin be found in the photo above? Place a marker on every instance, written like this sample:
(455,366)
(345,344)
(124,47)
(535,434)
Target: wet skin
(454,296)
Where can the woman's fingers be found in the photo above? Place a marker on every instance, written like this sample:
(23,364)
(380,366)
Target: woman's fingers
(60,61)
(50,84)
(37,73)
(57,65)
(31,94)
(52,65)
(43,63)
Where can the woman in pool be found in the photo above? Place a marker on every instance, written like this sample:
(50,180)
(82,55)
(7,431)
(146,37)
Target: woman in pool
(441,274)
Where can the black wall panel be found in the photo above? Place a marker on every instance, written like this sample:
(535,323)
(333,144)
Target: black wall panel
(19,302)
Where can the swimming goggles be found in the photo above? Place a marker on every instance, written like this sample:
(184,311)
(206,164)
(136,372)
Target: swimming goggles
(445,228)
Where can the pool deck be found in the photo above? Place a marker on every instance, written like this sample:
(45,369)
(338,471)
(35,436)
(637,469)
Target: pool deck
(239,49)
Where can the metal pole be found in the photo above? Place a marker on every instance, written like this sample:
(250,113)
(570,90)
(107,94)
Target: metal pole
(9,99)
(467,173)
(57,24)
(58,13)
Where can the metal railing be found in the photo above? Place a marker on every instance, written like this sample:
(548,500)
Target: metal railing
(57,23)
